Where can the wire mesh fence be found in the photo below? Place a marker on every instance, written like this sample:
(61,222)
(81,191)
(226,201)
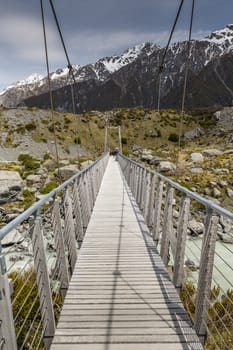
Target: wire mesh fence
(194,237)
(38,251)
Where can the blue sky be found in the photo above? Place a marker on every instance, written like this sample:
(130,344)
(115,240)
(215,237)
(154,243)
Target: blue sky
(93,29)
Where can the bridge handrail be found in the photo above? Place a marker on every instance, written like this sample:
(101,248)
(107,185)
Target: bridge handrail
(191,194)
(39,258)
(33,209)
(210,288)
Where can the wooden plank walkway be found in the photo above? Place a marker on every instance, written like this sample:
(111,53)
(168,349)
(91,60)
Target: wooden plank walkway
(120,296)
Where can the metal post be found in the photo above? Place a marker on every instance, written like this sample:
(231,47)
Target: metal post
(178,273)
(142,188)
(157,211)
(7,328)
(106,139)
(78,214)
(205,274)
(69,231)
(43,283)
(167,226)
(120,143)
(61,264)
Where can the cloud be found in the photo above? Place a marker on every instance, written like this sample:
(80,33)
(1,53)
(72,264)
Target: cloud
(22,37)
(88,46)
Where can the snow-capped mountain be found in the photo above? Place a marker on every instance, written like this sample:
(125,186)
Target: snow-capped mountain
(127,79)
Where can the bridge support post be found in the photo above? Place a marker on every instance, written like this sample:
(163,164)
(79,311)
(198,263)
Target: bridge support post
(61,264)
(42,277)
(205,274)
(167,225)
(151,195)
(7,328)
(83,201)
(78,214)
(178,273)
(69,231)
(157,211)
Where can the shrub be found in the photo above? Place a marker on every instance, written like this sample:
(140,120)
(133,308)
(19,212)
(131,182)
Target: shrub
(173,137)
(30,126)
(48,187)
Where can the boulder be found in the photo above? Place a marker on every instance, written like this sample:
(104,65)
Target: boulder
(85,164)
(166,167)
(32,179)
(67,171)
(190,135)
(196,227)
(212,152)
(146,155)
(11,184)
(64,162)
(11,238)
(197,157)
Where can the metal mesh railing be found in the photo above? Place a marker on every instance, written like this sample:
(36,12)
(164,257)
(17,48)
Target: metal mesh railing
(201,264)
(38,251)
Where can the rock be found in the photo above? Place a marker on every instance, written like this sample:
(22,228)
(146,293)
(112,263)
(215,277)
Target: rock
(229,151)
(221,171)
(11,184)
(146,155)
(207,191)
(191,265)
(41,171)
(226,224)
(196,170)
(32,179)
(196,228)
(11,238)
(212,152)
(197,132)
(67,171)
(226,238)
(229,192)
(101,124)
(212,184)
(166,167)
(155,161)
(197,157)
(85,164)
(216,193)
(64,162)
(222,183)
(50,164)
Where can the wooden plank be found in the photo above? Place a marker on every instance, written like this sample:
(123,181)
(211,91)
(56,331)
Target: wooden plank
(120,295)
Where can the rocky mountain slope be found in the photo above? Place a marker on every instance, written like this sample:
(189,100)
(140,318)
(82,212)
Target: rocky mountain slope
(131,79)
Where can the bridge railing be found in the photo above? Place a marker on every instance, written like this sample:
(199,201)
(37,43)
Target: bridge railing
(38,251)
(201,266)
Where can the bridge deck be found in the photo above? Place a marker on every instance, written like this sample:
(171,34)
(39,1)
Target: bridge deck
(120,295)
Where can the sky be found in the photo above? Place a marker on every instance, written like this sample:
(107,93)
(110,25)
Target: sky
(93,29)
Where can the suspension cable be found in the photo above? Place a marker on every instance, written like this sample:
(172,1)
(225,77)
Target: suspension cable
(49,83)
(161,67)
(187,64)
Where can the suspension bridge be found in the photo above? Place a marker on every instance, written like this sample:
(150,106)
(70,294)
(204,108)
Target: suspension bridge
(113,273)
(114,236)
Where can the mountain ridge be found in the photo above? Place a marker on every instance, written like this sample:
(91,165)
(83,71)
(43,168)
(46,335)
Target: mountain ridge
(132,76)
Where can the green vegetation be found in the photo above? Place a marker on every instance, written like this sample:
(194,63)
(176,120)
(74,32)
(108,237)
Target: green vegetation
(173,137)
(48,187)
(30,126)
(28,162)
(220,315)
(28,200)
